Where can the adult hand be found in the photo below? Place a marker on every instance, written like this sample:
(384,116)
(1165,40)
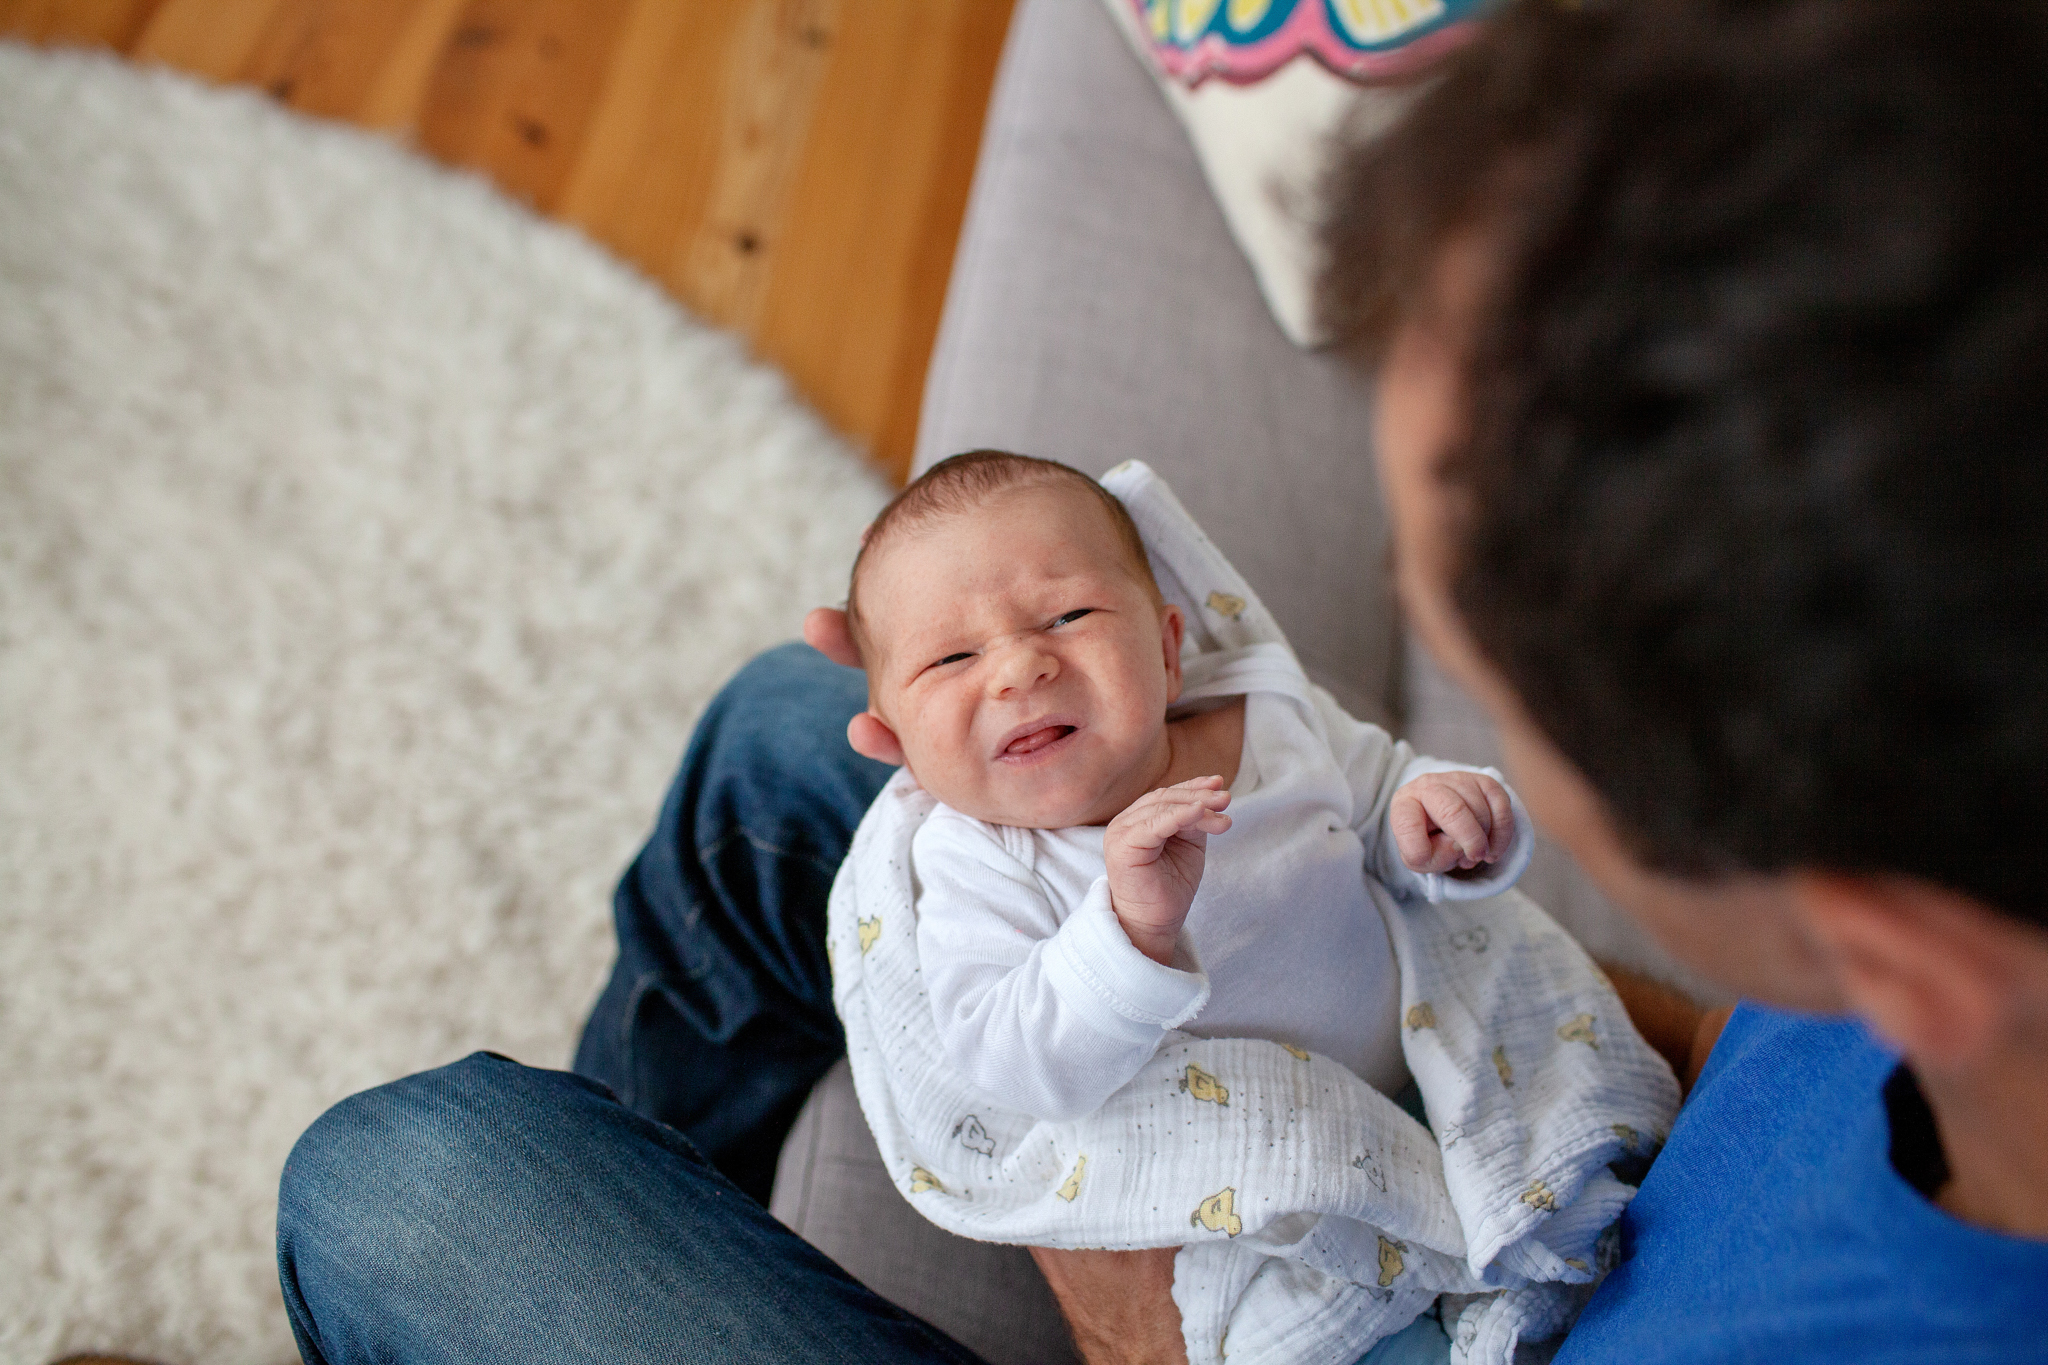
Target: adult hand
(1119,1304)
(1680,1030)
(825,630)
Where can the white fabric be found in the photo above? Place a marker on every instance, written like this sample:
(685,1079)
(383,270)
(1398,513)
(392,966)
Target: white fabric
(1041,1000)
(1315,1216)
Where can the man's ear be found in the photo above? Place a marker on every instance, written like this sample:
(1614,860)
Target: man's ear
(1928,969)
(1172,629)
(871,737)
(826,630)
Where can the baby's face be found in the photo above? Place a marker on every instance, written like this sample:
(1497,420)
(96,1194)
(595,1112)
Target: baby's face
(1022,664)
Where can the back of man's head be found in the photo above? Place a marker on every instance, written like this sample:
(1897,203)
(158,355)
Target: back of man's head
(1759,503)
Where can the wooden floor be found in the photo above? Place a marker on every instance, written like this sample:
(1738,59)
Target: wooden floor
(793,169)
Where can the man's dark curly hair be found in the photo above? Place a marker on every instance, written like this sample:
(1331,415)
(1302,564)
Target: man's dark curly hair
(1758,465)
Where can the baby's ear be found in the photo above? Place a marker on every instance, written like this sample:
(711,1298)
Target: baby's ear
(871,737)
(1172,629)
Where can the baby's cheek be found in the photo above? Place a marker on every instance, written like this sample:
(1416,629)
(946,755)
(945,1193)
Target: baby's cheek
(947,773)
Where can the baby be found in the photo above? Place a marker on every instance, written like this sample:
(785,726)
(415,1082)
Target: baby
(1071,911)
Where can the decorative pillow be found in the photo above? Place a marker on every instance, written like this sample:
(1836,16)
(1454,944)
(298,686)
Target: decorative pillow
(1263,87)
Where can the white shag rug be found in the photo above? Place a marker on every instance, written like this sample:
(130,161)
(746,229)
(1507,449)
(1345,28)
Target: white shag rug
(367,548)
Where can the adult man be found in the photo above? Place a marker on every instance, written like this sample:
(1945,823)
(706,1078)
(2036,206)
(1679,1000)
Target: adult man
(1714,342)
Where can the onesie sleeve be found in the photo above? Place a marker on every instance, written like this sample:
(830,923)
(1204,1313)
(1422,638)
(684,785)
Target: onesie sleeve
(1044,1015)
(1376,765)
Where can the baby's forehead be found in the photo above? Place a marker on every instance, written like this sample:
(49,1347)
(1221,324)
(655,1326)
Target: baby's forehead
(1082,560)
(1054,503)
(1103,547)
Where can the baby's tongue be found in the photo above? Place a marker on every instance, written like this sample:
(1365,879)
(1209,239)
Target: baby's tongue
(1037,739)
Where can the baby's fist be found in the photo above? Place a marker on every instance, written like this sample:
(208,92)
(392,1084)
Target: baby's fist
(1451,822)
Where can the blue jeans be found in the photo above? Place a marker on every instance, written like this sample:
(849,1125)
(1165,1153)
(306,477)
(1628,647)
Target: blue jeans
(493,1212)
(718,1017)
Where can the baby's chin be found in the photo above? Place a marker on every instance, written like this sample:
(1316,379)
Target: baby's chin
(1047,810)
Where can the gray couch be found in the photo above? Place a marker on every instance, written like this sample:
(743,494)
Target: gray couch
(1098,312)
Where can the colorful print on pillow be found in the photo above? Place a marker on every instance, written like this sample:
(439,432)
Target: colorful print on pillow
(1373,42)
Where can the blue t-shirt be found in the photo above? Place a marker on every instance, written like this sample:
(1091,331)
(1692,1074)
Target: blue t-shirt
(1775,1228)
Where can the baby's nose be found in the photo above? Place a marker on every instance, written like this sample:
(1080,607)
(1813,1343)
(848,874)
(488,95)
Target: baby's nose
(1022,667)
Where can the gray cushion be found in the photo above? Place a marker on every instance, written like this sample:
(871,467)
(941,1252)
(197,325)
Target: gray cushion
(1099,311)
(832,1190)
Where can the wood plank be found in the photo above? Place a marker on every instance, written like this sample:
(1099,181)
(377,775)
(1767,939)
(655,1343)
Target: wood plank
(324,56)
(773,69)
(873,218)
(87,23)
(652,151)
(972,69)
(210,38)
(397,94)
(515,89)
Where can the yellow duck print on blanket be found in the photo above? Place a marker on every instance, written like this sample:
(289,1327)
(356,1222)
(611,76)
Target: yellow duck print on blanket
(1218,1213)
(1391,1261)
(922,1180)
(1226,604)
(1203,1086)
(1579,1029)
(1072,1189)
(870,930)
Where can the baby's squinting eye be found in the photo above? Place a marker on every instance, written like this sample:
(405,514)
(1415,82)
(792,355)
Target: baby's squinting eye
(1073,616)
(951,659)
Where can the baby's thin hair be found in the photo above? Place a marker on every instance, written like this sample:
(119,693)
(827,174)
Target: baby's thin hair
(963,482)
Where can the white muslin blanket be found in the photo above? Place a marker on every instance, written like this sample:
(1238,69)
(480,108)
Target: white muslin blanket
(1315,1216)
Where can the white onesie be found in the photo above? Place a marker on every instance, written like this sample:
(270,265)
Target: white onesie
(1043,1004)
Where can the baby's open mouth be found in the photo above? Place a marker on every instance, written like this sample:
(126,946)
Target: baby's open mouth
(1036,740)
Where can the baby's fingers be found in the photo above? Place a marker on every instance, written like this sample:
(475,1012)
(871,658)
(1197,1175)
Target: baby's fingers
(1209,791)
(1206,793)
(1500,835)
(1154,819)
(1409,823)
(1452,811)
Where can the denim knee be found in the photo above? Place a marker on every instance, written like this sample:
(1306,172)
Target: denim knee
(404,1190)
(491,1214)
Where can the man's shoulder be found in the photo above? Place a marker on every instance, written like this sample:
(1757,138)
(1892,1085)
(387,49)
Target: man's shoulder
(1767,1051)
(1774,1227)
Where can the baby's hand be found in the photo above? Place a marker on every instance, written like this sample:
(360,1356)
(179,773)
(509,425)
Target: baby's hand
(1154,852)
(1451,822)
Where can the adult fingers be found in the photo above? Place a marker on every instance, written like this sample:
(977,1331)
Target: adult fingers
(826,630)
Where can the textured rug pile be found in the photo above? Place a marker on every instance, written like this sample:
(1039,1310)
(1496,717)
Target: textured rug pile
(367,548)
